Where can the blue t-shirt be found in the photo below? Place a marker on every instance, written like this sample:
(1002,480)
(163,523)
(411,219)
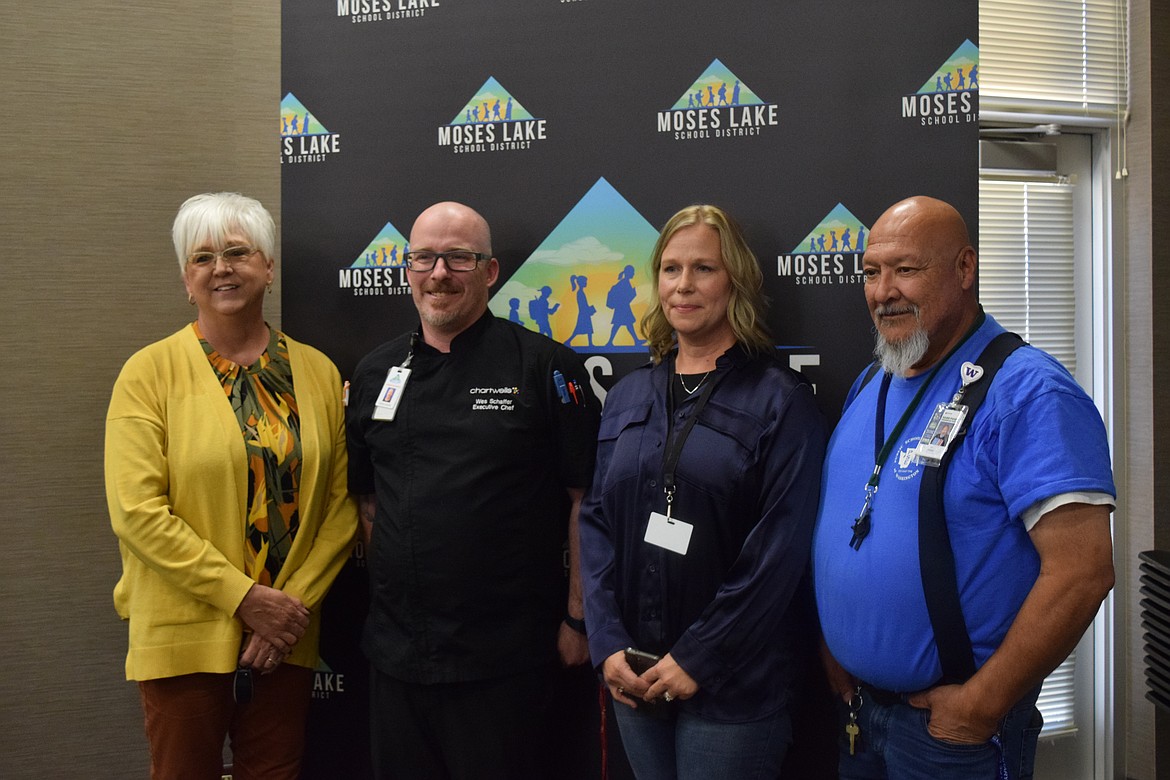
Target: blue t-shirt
(1036,435)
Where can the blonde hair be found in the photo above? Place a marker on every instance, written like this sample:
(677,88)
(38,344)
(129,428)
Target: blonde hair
(747,306)
(212,215)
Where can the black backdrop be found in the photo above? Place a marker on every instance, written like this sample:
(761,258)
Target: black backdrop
(841,111)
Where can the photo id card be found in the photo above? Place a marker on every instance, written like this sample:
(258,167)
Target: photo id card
(944,425)
(386,405)
(669,533)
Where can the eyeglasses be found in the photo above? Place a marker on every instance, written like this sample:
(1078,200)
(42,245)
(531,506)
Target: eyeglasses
(456,260)
(233,255)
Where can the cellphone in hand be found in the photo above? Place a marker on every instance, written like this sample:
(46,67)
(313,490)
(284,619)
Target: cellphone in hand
(640,661)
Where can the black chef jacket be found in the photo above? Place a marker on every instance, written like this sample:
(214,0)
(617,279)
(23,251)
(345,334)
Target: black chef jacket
(467,561)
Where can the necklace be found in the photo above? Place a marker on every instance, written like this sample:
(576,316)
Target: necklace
(691,391)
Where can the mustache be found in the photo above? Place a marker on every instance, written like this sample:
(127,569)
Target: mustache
(891,309)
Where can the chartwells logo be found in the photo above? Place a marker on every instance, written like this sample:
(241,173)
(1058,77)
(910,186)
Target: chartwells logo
(830,254)
(361,11)
(950,96)
(717,105)
(380,269)
(303,139)
(492,121)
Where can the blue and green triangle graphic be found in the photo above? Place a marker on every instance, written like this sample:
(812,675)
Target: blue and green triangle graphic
(587,283)
(295,119)
(387,249)
(718,86)
(960,72)
(492,103)
(839,231)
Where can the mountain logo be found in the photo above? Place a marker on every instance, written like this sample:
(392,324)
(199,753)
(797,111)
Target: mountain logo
(586,285)
(302,136)
(492,121)
(830,253)
(718,104)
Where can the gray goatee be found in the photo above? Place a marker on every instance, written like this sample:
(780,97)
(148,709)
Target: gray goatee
(900,356)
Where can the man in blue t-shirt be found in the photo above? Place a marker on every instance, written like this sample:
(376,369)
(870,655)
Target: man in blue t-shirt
(1027,498)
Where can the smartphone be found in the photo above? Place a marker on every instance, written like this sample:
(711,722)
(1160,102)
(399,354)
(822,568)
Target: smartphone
(640,661)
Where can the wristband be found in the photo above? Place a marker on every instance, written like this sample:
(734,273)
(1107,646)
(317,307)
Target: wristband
(577,624)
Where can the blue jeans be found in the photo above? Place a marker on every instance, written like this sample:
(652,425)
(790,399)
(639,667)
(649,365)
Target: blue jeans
(894,744)
(686,745)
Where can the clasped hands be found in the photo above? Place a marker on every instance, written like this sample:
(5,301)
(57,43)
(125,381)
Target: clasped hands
(276,621)
(666,680)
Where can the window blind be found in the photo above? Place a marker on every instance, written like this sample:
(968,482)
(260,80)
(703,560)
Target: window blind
(1061,57)
(1026,282)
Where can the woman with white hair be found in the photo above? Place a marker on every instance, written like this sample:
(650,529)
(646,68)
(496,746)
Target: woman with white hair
(225,478)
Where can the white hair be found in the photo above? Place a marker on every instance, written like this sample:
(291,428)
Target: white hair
(211,216)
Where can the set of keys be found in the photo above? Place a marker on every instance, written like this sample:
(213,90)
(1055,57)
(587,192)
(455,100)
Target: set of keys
(852,730)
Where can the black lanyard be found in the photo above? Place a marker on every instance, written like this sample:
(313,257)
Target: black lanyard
(674,444)
(881,451)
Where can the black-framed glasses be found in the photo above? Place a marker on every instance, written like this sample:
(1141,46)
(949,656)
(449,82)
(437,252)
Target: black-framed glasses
(233,255)
(456,259)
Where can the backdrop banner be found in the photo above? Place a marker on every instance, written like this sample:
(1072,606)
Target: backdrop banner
(577,127)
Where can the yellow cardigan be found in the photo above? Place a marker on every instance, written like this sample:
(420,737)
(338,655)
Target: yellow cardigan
(176,484)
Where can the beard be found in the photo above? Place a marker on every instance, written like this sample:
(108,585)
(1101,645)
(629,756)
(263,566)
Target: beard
(898,357)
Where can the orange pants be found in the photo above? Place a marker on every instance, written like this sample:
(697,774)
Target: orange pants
(188,717)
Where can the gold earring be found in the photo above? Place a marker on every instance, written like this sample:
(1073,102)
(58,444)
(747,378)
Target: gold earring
(270,288)
(190,299)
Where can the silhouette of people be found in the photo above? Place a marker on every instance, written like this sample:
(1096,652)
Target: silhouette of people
(540,311)
(846,241)
(508,109)
(832,240)
(723,94)
(690,100)
(514,311)
(294,126)
(284,125)
(947,80)
(496,109)
(735,94)
(699,98)
(962,80)
(584,311)
(619,298)
(305,124)
(394,255)
(710,95)
(973,77)
(475,114)
(938,84)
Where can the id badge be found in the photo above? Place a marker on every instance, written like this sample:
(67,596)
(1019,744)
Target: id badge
(670,533)
(386,405)
(944,425)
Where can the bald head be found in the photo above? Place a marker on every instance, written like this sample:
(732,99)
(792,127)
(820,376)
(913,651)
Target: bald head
(451,218)
(920,272)
(934,225)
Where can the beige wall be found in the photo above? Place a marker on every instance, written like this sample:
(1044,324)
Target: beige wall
(113,113)
(1142,743)
(112,116)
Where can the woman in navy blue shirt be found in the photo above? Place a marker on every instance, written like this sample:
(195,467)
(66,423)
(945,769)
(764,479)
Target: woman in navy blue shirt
(696,532)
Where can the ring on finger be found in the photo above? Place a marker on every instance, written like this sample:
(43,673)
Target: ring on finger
(668,696)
